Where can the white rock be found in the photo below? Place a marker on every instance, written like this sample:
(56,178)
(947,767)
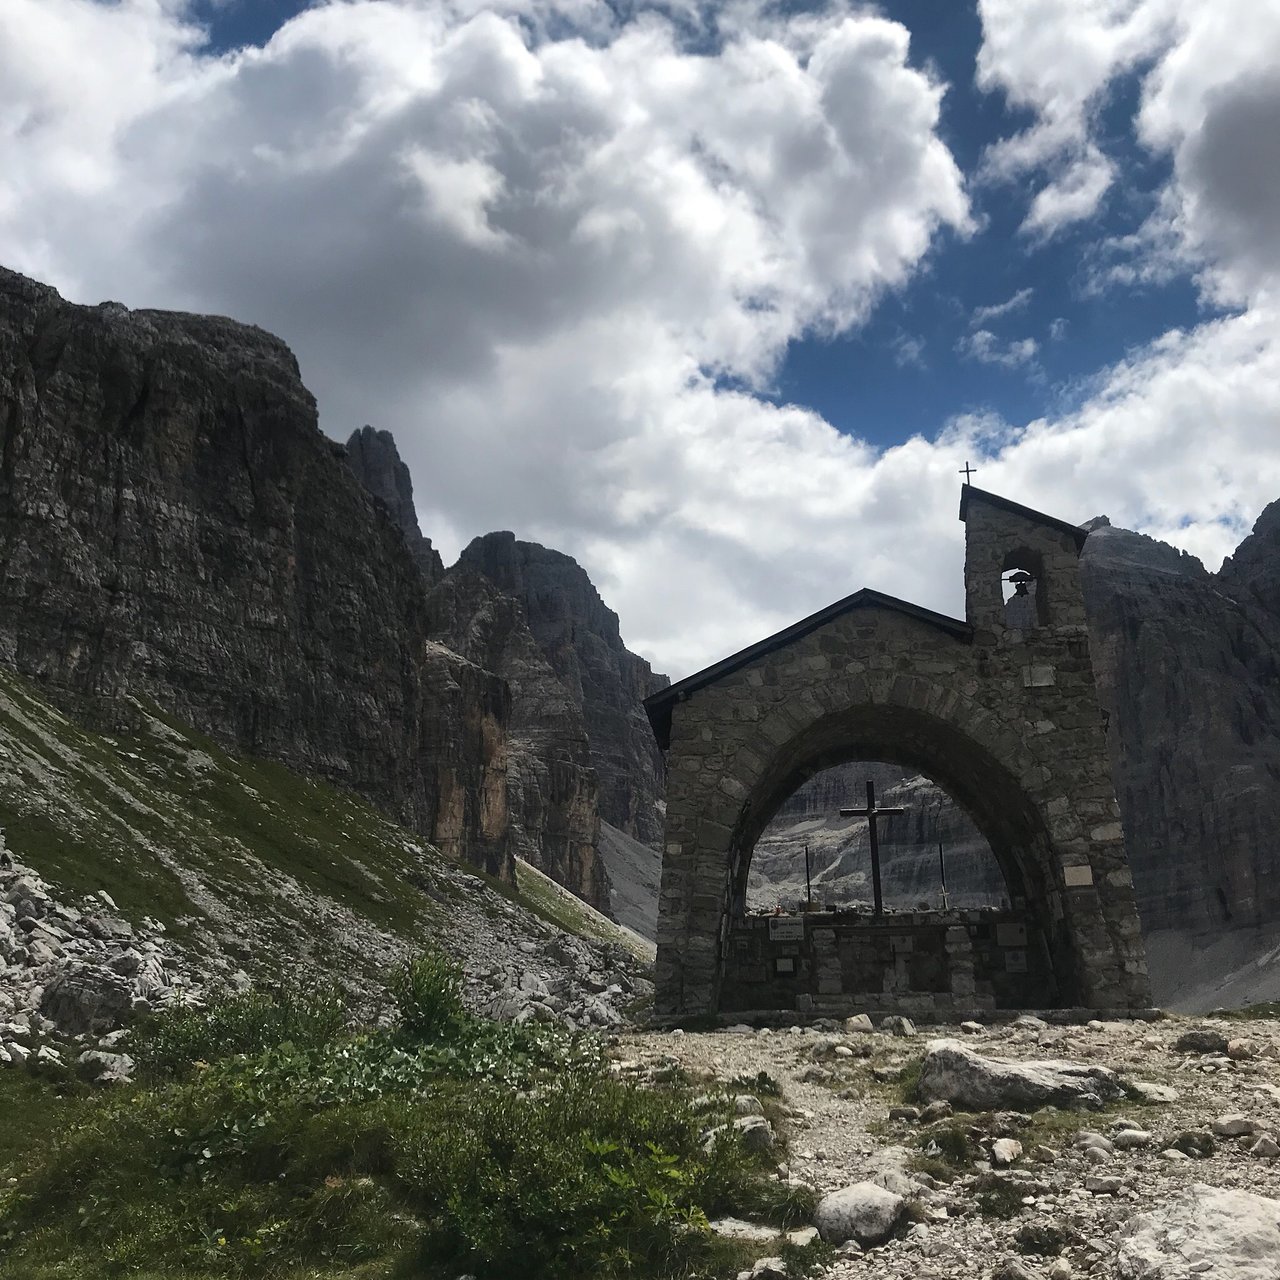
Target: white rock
(1234,1125)
(1004,1151)
(1132,1139)
(1265,1147)
(953,1071)
(859,1022)
(1236,1232)
(1154,1092)
(863,1212)
(739,1229)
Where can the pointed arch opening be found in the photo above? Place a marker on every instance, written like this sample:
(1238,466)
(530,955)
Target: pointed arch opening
(1010,952)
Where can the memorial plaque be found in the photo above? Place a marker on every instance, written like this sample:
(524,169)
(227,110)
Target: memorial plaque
(1077,877)
(1015,961)
(784,966)
(1011,935)
(786,929)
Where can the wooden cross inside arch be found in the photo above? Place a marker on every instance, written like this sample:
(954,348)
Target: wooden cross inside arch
(873,813)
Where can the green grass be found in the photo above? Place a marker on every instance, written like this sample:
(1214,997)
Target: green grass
(1252,1012)
(32,1109)
(147,813)
(267,1141)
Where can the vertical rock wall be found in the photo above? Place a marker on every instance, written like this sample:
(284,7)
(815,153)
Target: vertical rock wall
(1188,667)
(173,526)
(579,636)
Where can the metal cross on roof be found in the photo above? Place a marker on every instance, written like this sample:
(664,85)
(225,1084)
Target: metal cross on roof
(872,813)
(967,470)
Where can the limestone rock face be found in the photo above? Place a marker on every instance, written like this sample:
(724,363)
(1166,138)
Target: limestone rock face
(176,528)
(578,634)
(1232,1235)
(376,461)
(551,782)
(840,849)
(955,1073)
(1187,665)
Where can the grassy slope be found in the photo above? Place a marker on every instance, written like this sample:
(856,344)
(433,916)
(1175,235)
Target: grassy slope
(209,843)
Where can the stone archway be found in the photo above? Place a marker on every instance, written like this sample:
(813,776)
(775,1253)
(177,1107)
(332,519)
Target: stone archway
(1005,719)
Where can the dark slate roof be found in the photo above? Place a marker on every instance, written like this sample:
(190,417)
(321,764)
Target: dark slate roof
(659,705)
(971,492)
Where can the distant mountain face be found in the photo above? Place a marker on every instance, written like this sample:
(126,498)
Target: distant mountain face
(579,746)
(1188,666)
(840,848)
(578,634)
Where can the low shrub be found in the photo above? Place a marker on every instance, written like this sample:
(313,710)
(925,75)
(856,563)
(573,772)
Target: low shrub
(169,1044)
(267,1141)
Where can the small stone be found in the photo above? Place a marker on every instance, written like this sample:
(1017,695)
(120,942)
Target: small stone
(1195,1143)
(1155,1093)
(1242,1049)
(756,1131)
(1059,1269)
(896,1025)
(1004,1151)
(1132,1139)
(1234,1126)
(1266,1147)
(1201,1040)
(863,1212)
(911,1114)
(858,1023)
(1043,1154)
(1103,1184)
(1172,1153)
(935,1111)
(1096,1155)
(972,1028)
(802,1237)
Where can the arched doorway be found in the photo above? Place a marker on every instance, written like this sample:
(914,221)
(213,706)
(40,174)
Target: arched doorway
(832,957)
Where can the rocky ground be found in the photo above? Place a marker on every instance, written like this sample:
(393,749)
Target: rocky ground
(75,976)
(1100,1187)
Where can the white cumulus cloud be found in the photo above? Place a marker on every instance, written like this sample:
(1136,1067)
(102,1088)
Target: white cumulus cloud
(561,253)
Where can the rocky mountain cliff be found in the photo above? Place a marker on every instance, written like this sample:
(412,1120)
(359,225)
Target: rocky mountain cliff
(579,636)
(377,464)
(576,708)
(175,528)
(551,781)
(1188,664)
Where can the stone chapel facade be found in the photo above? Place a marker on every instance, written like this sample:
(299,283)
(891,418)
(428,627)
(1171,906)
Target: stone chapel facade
(1000,709)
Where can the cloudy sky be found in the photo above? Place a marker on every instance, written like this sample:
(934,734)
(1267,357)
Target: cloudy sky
(718,297)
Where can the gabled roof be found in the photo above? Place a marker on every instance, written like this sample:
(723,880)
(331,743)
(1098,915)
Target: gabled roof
(659,706)
(969,493)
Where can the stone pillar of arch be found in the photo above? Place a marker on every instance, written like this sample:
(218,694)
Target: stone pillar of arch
(1005,719)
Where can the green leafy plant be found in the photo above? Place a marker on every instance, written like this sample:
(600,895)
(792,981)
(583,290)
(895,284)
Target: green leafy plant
(428,996)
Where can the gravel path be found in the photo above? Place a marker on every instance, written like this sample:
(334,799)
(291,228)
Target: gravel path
(838,1132)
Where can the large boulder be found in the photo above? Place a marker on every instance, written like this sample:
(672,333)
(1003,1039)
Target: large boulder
(863,1212)
(954,1073)
(1232,1235)
(87,998)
